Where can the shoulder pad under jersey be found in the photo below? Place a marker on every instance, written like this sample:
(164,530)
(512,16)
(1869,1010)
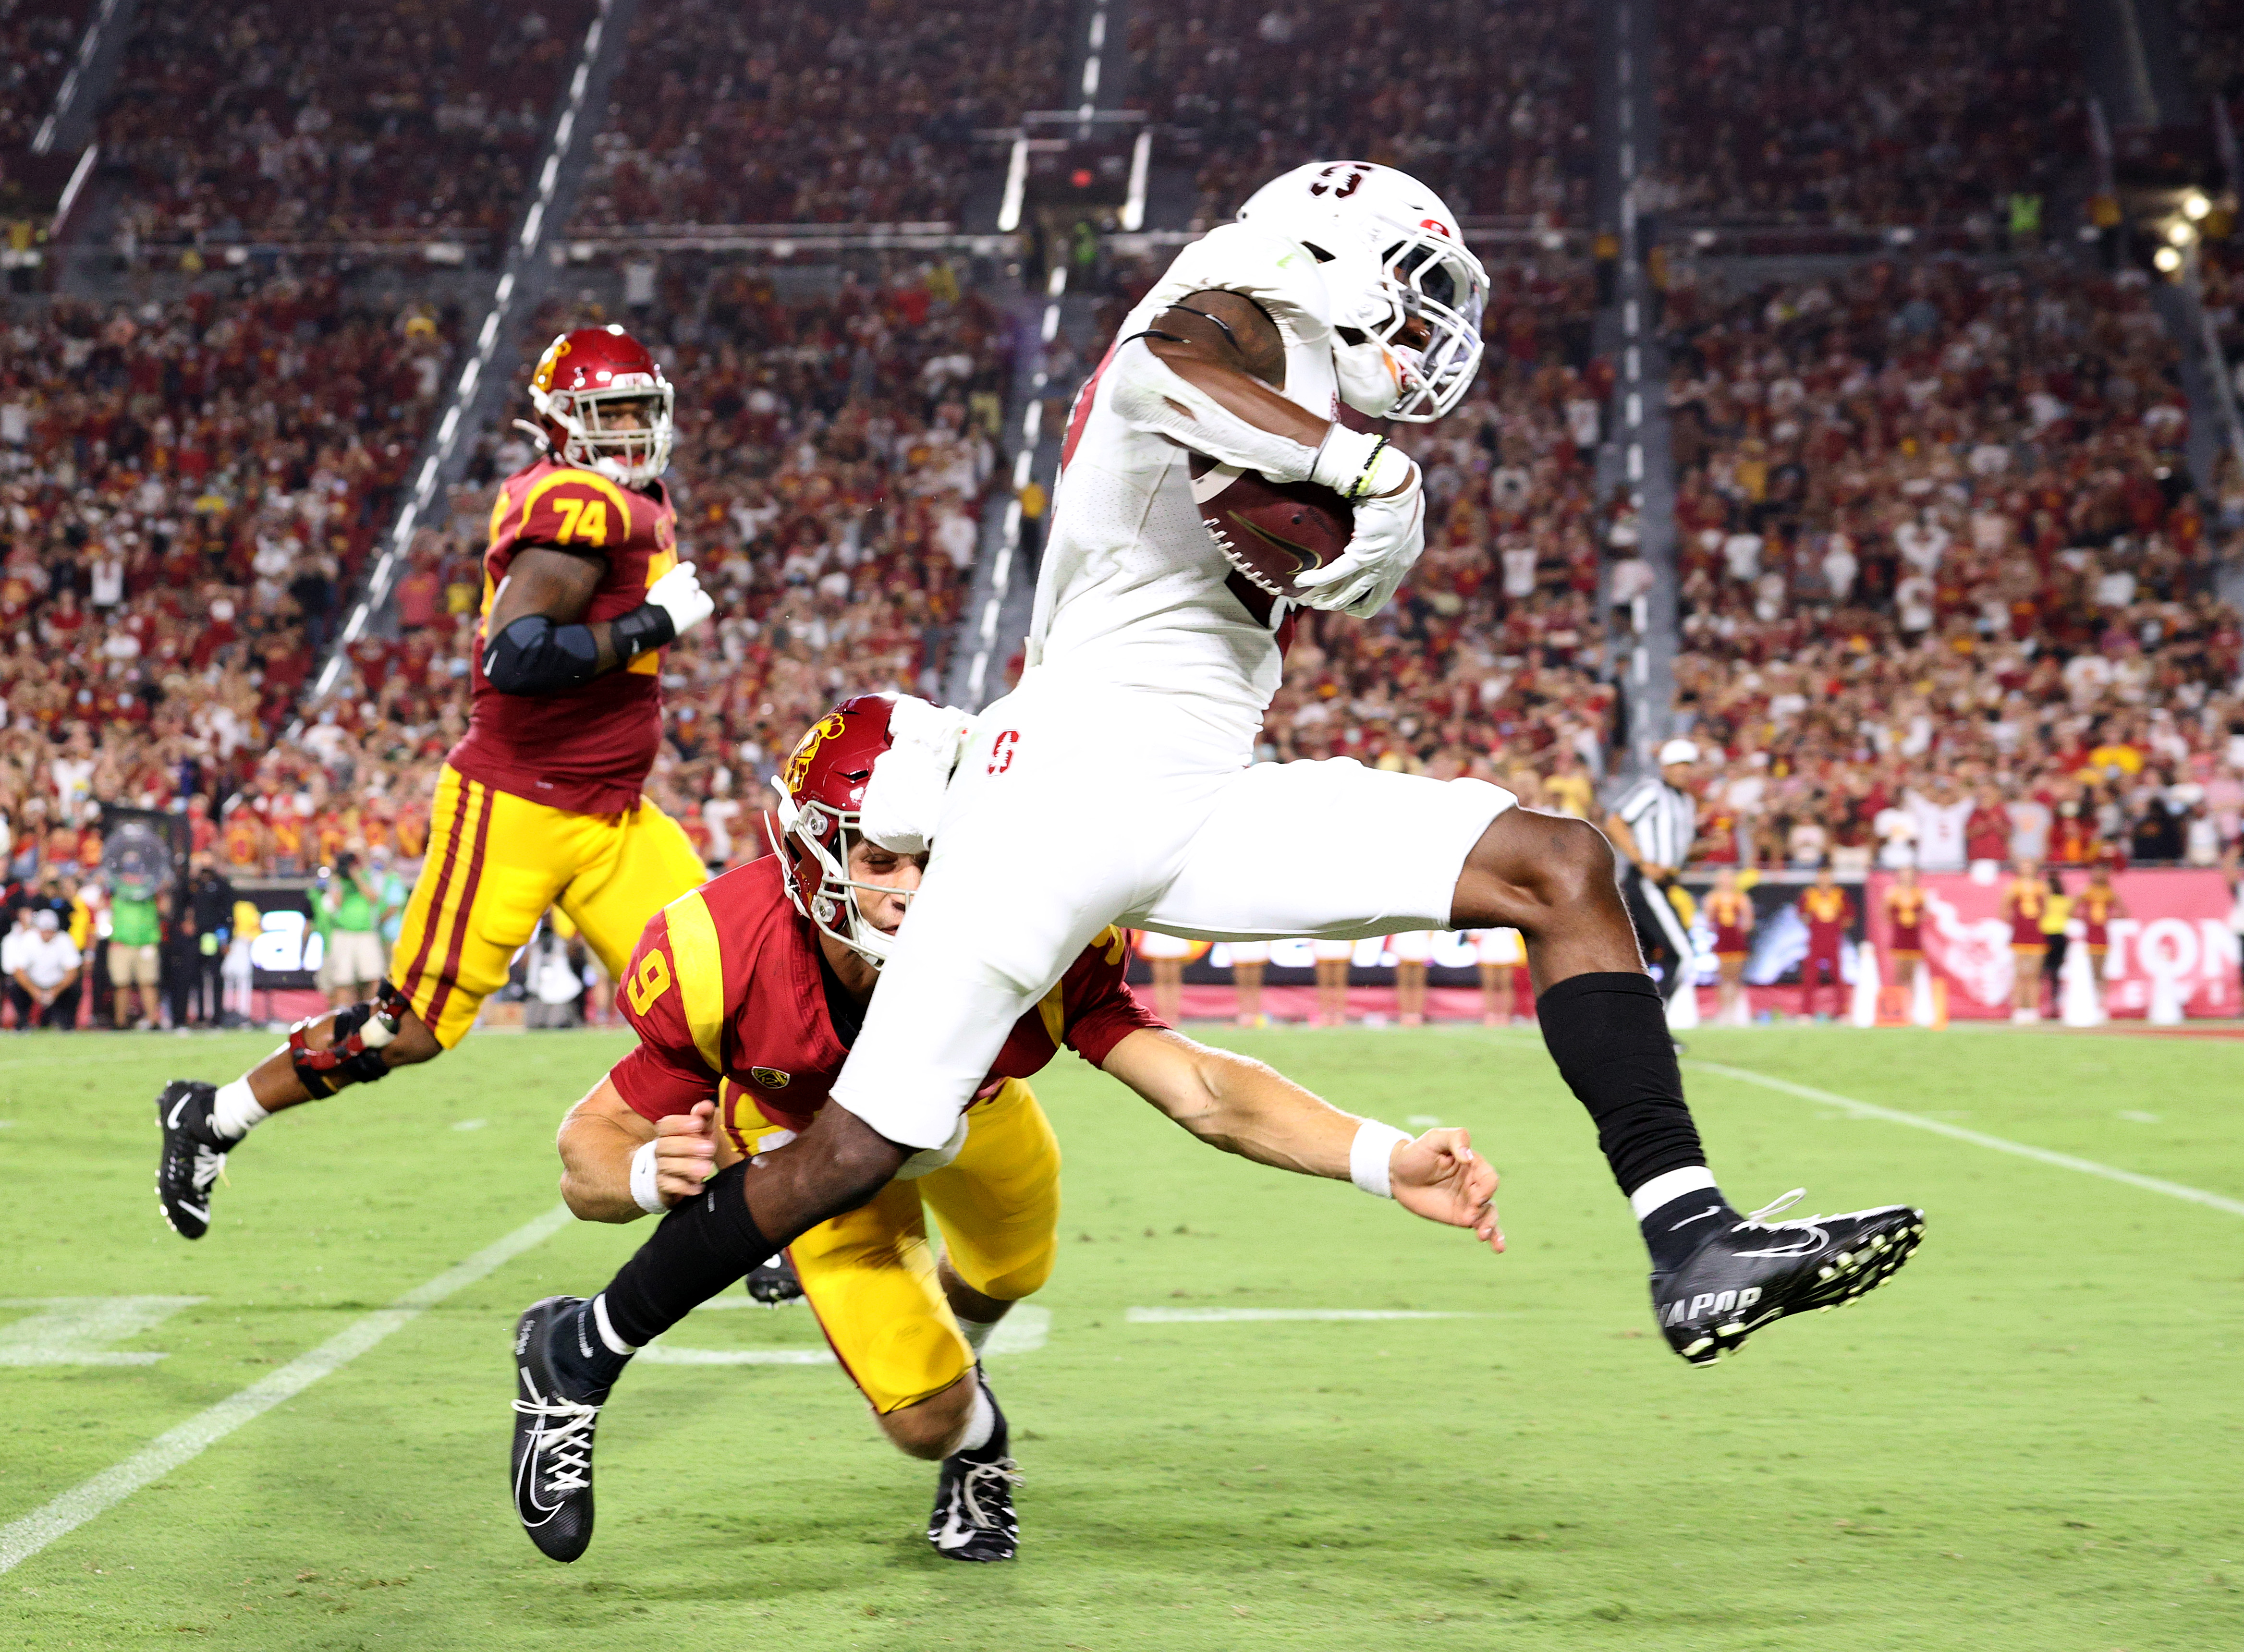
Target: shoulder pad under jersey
(1279,273)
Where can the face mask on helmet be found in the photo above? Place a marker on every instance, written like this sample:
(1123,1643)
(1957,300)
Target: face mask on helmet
(827,836)
(623,434)
(604,405)
(1435,293)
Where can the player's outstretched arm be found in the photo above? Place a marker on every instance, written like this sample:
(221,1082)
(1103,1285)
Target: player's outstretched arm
(1244,1107)
(602,1177)
(537,641)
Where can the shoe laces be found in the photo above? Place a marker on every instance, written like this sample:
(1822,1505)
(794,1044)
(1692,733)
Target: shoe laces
(1776,1207)
(982,1479)
(565,1448)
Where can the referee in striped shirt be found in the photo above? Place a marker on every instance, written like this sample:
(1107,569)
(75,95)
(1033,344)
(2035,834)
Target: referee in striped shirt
(1654,825)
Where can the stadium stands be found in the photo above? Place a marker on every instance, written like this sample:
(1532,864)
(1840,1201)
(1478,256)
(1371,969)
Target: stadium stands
(1490,104)
(188,488)
(847,111)
(270,123)
(37,40)
(1932,524)
(1853,113)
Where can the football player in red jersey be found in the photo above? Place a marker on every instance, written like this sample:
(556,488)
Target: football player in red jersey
(747,996)
(539,806)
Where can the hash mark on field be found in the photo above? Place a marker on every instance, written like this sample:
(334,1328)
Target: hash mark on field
(2134,1117)
(471,1124)
(1237,1316)
(21,1538)
(1424,1121)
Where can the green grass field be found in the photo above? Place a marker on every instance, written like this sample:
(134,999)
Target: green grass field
(2030,1441)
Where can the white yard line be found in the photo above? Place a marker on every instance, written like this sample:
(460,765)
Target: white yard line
(21,1538)
(1956,1132)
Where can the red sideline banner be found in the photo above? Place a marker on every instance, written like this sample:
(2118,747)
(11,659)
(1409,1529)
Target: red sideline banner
(2177,926)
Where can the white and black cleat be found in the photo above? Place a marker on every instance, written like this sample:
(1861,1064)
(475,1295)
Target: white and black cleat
(552,1434)
(1755,1272)
(973,1518)
(773,1282)
(193,1156)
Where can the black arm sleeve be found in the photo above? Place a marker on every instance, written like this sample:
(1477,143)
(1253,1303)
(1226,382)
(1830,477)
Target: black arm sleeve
(533,656)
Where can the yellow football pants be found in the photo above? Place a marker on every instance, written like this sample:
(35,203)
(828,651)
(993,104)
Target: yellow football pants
(496,862)
(870,1276)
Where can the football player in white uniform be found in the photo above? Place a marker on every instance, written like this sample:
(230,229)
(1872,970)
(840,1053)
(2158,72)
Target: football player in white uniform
(1115,783)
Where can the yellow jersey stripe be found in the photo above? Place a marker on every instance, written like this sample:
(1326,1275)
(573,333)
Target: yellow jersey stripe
(700,967)
(589,478)
(1053,1008)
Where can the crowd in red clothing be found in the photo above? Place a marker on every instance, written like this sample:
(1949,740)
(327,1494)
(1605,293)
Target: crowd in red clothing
(1489,105)
(265,122)
(186,492)
(1849,111)
(796,112)
(1933,521)
(38,38)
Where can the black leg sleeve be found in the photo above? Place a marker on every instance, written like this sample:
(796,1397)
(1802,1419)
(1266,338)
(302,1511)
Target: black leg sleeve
(702,1247)
(1608,1033)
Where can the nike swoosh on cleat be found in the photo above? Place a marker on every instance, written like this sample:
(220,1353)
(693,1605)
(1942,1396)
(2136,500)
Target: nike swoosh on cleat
(178,1108)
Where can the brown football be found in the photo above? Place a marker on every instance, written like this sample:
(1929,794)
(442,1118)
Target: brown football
(1270,530)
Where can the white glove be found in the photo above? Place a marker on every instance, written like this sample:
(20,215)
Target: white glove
(1386,489)
(680,595)
(903,799)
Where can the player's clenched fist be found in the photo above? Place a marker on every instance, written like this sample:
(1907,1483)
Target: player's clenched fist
(679,594)
(1440,1177)
(685,1152)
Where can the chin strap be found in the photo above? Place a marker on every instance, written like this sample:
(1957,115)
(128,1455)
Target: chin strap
(353,1055)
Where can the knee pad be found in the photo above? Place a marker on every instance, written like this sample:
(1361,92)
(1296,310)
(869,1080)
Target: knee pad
(354,1054)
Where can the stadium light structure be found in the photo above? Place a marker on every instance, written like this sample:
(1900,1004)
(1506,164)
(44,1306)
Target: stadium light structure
(2168,260)
(2196,204)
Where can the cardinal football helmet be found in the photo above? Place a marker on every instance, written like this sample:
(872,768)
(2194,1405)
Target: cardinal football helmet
(821,796)
(583,381)
(1393,253)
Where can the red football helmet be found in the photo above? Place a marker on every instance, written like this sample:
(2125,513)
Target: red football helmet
(583,381)
(822,792)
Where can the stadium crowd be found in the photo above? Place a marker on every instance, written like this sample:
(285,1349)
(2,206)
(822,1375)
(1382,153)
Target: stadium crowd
(1489,105)
(263,123)
(862,111)
(1853,113)
(38,38)
(1946,594)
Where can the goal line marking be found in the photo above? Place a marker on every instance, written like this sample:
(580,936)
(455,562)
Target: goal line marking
(21,1538)
(1956,1132)
(1242,1315)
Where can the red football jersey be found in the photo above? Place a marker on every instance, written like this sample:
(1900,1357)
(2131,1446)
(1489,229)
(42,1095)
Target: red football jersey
(725,993)
(587,750)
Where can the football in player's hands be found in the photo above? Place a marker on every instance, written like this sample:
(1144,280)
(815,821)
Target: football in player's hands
(1270,531)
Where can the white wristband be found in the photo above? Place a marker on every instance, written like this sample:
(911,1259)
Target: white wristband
(645,1193)
(1368,1156)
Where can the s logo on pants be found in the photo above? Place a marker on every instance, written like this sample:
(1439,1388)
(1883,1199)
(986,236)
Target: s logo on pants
(1000,750)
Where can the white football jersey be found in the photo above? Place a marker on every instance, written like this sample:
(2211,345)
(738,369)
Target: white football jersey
(1133,592)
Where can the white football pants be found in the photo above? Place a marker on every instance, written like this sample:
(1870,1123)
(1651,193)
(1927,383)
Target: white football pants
(1080,805)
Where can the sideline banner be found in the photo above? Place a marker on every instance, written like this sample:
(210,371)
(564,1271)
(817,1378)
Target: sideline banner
(2177,926)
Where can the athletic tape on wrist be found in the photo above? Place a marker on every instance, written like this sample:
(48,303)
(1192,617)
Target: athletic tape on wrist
(1368,1154)
(645,1192)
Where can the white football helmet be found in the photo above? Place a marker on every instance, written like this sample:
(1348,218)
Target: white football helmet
(1392,252)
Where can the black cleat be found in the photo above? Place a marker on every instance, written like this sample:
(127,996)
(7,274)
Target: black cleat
(192,1156)
(1755,1272)
(973,1517)
(772,1282)
(552,1435)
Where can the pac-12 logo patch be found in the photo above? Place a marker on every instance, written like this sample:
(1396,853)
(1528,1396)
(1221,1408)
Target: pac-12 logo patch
(771,1078)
